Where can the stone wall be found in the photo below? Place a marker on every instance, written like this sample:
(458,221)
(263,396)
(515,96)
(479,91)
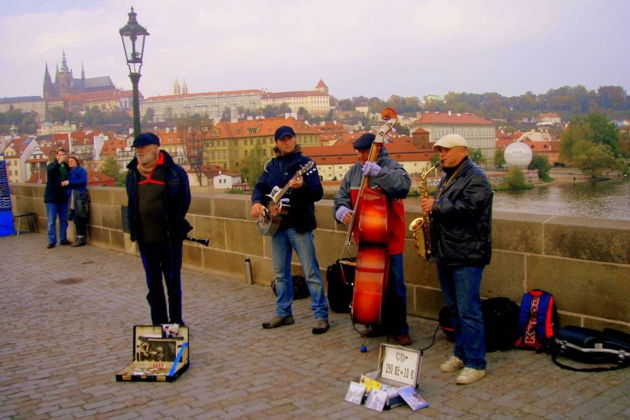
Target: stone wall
(584,262)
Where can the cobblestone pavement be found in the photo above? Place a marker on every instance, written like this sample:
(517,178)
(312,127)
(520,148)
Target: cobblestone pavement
(68,315)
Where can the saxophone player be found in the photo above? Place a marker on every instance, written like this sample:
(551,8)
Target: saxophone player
(460,234)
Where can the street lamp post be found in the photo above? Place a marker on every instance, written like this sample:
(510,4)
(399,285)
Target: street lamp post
(133,36)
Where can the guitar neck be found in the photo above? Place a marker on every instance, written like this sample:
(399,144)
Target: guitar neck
(278,196)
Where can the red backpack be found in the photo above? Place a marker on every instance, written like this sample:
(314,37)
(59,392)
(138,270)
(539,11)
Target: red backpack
(538,321)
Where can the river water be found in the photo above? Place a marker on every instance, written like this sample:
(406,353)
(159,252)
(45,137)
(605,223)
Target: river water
(602,200)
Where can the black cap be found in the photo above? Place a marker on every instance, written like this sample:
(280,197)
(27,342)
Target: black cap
(284,131)
(364,142)
(146,138)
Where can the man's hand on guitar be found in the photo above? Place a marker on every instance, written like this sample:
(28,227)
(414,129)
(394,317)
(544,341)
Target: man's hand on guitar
(256,210)
(296,182)
(274,209)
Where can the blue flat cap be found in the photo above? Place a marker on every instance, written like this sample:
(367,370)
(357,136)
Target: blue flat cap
(146,138)
(364,142)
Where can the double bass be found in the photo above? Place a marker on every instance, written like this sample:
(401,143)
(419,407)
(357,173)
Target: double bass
(369,228)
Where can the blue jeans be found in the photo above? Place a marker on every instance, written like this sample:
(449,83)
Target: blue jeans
(166,259)
(282,244)
(54,210)
(460,288)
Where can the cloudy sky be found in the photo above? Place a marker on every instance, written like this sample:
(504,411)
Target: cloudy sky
(358,47)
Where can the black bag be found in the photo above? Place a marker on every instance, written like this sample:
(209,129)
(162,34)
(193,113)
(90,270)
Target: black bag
(300,289)
(500,321)
(590,346)
(340,277)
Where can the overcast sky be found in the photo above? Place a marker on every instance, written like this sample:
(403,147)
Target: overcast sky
(358,47)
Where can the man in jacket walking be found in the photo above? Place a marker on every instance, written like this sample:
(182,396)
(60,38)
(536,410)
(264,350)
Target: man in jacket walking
(159,198)
(460,215)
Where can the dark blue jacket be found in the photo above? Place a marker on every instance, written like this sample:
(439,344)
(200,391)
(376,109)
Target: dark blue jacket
(278,172)
(461,218)
(54,192)
(77,179)
(176,199)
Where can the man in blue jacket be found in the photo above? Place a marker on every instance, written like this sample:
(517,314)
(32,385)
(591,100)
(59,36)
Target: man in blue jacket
(159,198)
(296,228)
(460,215)
(56,199)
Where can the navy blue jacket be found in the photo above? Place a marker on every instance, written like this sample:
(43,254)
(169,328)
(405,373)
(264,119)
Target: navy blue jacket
(54,192)
(176,199)
(461,218)
(278,172)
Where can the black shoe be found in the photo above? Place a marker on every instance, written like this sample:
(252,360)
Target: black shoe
(64,242)
(79,242)
(50,246)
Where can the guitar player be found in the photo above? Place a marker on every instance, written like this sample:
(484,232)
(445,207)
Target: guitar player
(295,231)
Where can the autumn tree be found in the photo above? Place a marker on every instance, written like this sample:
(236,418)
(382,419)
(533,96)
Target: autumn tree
(597,160)
(542,165)
(499,158)
(253,165)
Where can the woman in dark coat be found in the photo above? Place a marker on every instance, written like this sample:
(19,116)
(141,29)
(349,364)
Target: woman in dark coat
(79,199)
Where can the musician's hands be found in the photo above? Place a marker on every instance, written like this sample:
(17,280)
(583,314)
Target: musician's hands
(370,169)
(256,210)
(274,209)
(65,183)
(343,215)
(297,182)
(427,204)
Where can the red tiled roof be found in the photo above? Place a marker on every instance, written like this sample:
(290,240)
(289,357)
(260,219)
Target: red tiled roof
(401,151)
(294,94)
(261,128)
(99,95)
(321,84)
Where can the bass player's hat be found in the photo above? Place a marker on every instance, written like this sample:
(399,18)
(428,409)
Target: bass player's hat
(451,140)
(364,142)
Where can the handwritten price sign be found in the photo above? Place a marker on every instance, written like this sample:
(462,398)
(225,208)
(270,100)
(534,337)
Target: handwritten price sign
(400,365)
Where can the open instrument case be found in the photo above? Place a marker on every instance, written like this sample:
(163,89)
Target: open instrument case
(398,367)
(160,353)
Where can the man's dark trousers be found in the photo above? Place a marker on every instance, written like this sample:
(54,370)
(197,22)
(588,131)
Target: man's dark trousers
(158,259)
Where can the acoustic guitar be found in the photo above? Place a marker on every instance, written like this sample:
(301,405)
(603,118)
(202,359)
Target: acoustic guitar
(268,224)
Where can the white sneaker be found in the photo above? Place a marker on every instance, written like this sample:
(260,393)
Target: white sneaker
(470,375)
(452,364)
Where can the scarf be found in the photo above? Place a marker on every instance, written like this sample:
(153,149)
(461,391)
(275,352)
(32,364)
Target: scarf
(146,171)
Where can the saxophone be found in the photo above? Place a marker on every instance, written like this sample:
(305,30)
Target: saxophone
(421,226)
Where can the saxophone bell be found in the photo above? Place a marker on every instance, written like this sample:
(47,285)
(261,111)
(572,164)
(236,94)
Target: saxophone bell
(421,225)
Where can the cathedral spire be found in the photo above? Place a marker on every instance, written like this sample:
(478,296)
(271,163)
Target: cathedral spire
(47,74)
(64,64)
(82,71)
